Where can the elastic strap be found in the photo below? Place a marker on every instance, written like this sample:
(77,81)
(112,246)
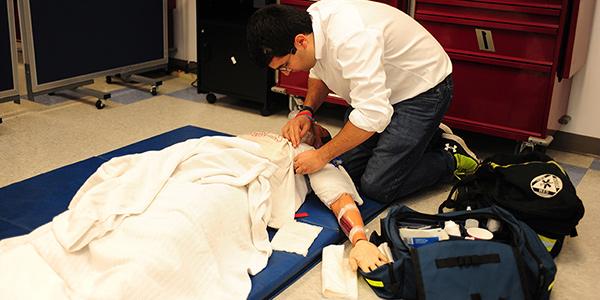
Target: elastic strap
(345,209)
(357,230)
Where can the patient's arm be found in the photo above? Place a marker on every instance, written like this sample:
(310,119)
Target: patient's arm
(336,190)
(363,254)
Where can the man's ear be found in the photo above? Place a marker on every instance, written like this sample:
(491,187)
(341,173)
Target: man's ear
(301,41)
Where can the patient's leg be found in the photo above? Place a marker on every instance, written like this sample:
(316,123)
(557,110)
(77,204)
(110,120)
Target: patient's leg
(349,218)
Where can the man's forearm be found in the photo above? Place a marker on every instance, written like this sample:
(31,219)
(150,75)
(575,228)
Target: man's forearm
(349,137)
(316,93)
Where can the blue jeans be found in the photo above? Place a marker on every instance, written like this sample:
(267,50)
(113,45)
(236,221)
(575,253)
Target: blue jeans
(400,160)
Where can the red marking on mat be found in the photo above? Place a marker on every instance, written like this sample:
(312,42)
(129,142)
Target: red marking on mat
(301,215)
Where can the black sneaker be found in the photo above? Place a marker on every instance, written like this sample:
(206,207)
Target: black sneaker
(466,160)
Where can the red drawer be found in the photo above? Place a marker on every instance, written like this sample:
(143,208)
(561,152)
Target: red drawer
(293,80)
(499,40)
(494,96)
(491,12)
(298,3)
(307,3)
(296,84)
(555,4)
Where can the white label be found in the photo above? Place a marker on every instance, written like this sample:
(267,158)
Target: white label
(547,185)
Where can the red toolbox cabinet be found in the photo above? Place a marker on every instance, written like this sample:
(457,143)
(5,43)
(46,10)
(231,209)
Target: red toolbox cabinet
(512,61)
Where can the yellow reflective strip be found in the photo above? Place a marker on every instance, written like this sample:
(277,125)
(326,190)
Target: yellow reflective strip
(551,284)
(495,165)
(374,283)
(561,168)
(548,242)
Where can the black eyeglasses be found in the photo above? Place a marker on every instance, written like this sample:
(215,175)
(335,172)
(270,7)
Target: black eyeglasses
(284,68)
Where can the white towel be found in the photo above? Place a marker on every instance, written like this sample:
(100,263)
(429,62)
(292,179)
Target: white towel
(338,278)
(295,237)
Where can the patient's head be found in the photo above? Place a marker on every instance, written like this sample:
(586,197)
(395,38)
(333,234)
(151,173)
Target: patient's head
(317,136)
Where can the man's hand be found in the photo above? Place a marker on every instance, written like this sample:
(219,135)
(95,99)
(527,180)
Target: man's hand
(295,129)
(309,161)
(365,255)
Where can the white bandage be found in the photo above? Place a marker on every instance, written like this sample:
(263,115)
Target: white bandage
(331,182)
(346,208)
(355,230)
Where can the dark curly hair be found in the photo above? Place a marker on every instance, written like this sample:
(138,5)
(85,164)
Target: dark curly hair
(271,31)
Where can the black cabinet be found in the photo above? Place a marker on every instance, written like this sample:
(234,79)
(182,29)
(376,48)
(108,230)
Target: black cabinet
(224,65)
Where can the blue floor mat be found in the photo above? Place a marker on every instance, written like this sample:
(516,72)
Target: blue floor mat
(33,202)
(161,141)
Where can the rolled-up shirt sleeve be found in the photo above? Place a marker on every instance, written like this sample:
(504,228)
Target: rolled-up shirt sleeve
(313,74)
(361,60)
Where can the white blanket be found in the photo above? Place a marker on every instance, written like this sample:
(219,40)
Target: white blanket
(186,222)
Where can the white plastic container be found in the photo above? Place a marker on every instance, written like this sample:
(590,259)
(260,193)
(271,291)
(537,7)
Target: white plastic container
(480,233)
(452,228)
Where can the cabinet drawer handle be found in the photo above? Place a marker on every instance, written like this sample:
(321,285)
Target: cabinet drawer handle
(485,40)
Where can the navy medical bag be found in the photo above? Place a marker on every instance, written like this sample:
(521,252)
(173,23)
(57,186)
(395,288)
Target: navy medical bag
(512,265)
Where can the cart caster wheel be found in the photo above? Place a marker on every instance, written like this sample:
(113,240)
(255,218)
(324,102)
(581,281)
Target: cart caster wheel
(108,79)
(265,112)
(526,147)
(153,91)
(522,147)
(211,98)
(100,104)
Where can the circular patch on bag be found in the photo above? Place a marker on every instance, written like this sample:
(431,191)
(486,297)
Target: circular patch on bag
(547,185)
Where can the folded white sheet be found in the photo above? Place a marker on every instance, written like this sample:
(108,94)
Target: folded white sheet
(295,237)
(338,278)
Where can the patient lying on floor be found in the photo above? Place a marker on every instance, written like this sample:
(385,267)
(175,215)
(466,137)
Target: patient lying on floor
(185,221)
(335,189)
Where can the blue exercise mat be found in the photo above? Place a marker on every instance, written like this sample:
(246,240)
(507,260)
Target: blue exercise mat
(33,202)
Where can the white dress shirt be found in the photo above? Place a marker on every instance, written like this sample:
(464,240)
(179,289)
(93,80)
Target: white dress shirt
(374,56)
